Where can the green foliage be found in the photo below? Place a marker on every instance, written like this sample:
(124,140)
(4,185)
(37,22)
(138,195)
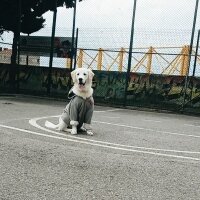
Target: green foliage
(46,5)
(26,16)
(11,14)
(29,14)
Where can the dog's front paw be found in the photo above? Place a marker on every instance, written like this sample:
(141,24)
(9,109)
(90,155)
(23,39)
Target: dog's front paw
(83,129)
(89,132)
(59,129)
(73,131)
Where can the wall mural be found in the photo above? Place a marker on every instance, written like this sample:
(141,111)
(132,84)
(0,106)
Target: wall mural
(4,75)
(164,90)
(60,81)
(109,87)
(35,79)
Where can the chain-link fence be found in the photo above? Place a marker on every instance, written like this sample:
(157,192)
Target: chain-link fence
(165,59)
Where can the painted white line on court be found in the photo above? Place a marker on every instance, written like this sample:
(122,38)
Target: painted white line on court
(147,129)
(111,110)
(99,145)
(33,122)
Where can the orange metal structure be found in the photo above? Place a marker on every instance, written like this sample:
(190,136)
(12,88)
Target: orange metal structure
(151,62)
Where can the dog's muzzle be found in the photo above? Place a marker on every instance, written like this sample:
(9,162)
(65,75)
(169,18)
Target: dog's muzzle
(80,82)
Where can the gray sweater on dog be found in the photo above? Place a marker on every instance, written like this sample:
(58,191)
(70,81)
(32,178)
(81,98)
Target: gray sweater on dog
(78,110)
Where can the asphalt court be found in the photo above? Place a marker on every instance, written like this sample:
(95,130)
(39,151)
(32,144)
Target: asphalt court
(153,133)
(140,135)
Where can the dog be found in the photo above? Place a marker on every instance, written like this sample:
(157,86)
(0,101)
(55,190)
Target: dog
(77,115)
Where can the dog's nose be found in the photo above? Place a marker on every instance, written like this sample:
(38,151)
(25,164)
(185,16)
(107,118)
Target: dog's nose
(80,80)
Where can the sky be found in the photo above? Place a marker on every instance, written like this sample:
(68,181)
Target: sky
(160,14)
(157,22)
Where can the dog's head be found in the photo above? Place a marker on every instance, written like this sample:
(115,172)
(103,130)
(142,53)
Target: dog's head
(82,77)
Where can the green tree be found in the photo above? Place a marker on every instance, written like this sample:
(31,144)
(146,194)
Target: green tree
(25,16)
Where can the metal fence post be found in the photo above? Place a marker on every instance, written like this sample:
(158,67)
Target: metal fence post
(18,44)
(185,59)
(76,46)
(73,33)
(52,48)
(100,59)
(130,52)
(196,53)
(149,60)
(121,59)
(80,58)
(14,69)
(190,53)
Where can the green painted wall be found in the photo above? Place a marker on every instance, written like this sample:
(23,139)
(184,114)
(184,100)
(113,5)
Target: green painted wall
(152,91)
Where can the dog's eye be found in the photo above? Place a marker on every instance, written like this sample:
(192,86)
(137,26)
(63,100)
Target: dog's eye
(78,74)
(84,74)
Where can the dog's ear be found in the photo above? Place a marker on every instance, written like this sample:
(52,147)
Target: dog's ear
(91,74)
(73,75)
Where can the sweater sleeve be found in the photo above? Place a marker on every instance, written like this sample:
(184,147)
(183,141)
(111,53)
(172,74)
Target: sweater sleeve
(89,111)
(73,112)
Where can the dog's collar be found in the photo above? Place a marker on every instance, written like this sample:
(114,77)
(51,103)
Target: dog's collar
(71,95)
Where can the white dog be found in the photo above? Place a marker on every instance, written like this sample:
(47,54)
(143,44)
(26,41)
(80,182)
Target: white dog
(78,113)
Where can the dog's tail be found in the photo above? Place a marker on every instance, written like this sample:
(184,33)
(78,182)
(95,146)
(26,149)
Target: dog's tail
(50,125)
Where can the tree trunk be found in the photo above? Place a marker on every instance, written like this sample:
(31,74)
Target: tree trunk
(12,72)
(13,68)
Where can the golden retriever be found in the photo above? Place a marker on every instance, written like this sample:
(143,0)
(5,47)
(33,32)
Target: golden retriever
(77,115)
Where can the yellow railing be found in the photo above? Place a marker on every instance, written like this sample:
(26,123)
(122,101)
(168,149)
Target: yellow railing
(148,60)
